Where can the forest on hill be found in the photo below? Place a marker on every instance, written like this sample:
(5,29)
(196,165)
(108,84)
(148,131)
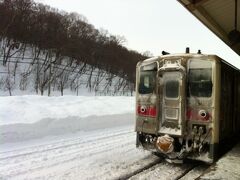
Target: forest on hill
(49,49)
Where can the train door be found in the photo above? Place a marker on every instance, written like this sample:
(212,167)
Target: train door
(172,95)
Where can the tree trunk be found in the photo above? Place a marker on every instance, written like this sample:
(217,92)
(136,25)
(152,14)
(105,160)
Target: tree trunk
(9,90)
(61,91)
(42,91)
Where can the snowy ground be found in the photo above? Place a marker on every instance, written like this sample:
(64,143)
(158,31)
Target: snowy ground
(76,138)
(228,167)
(98,154)
(68,137)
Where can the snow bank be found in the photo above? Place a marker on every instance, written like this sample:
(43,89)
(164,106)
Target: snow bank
(33,117)
(32,108)
(59,127)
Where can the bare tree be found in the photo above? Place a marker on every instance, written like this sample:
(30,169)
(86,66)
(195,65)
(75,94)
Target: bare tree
(9,84)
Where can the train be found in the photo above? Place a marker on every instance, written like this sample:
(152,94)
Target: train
(187,105)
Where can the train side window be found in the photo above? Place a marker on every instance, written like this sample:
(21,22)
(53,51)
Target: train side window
(200,79)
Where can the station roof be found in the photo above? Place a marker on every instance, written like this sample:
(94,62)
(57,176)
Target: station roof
(220,16)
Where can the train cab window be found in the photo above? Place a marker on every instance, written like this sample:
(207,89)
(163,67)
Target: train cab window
(200,78)
(147,82)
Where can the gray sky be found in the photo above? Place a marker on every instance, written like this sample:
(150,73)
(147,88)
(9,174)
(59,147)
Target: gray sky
(150,25)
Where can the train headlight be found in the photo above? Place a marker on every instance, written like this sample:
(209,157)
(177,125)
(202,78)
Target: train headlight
(143,109)
(203,114)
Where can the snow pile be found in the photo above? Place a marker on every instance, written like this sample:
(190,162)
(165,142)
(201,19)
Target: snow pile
(30,117)
(31,109)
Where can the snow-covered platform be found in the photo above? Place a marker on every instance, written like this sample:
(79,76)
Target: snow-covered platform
(228,167)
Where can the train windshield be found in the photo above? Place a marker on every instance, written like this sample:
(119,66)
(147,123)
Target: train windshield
(200,78)
(147,82)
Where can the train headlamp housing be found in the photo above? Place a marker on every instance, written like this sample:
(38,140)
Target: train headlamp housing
(148,111)
(198,114)
(203,115)
(143,109)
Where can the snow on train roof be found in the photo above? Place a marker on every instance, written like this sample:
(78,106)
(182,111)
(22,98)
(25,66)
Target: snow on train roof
(190,55)
(152,59)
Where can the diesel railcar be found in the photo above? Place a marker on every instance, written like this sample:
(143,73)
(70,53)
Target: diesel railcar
(187,105)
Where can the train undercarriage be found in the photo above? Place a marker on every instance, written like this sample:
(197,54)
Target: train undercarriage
(177,149)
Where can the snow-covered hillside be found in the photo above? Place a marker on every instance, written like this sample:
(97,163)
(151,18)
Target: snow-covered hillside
(28,70)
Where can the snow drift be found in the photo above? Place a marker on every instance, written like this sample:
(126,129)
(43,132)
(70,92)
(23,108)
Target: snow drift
(31,109)
(31,117)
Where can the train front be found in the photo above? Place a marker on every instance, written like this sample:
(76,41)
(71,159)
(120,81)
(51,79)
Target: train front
(170,120)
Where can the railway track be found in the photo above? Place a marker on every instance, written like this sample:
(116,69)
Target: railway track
(139,171)
(160,169)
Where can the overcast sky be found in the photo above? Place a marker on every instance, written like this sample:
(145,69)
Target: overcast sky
(150,25)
